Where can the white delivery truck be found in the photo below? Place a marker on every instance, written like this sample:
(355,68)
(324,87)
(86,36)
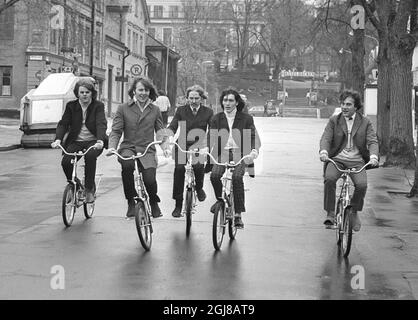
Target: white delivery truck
(42,108)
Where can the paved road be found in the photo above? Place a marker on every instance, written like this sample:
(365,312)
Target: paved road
(283,252)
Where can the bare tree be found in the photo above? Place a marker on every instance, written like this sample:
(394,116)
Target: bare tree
(7,4)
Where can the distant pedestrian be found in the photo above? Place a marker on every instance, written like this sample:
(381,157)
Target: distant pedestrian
(164,104)
(85,122)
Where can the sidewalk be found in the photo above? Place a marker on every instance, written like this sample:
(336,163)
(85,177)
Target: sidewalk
(10,134)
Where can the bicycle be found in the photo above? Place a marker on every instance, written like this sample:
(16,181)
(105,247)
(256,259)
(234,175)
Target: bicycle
(190,203)
(143,208)
(225,209)
(343,210)
(74,193)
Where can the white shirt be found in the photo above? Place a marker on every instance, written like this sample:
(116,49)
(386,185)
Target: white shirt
(231,117)
(163,103)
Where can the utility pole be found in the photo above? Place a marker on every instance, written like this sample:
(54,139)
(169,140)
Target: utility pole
(93,13)
(128,52)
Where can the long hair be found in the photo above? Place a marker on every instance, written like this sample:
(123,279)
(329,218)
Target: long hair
(89,85)
(147,85)
(198,89)
(354,95)
(238,98)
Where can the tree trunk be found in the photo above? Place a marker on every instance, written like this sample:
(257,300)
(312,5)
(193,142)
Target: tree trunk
(401,144)
(383,101)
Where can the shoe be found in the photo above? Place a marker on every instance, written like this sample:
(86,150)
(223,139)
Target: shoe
(155,210)
(238,223)
(131,209)
(89,196)
(330,220)
(355,221)
(177,212)
(214,206)
(201,195)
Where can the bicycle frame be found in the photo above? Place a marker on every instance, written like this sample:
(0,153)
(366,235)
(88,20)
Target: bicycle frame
(77,156)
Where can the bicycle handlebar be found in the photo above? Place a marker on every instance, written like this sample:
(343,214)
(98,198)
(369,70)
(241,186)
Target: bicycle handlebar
(79,153)
(189,152)
(348,170)
(138,155)
(226,164)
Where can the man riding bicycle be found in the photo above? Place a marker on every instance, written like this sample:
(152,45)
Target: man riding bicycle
(193,121)
(350,140)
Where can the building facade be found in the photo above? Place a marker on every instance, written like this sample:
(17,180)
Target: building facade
(70,39)
(126,23)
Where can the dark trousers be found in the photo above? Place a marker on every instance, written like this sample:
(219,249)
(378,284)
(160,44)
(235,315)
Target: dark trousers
(148,175)
(178,183)
(237,184)
(89,159)
(330,181)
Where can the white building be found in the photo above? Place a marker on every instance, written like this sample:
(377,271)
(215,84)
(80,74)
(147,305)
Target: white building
(126,23)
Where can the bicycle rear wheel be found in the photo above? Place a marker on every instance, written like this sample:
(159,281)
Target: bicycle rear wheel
(189,206)
(347,232)
(143,226)
(219,224)
(68,205)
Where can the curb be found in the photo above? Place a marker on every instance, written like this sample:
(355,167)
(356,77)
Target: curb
(11,147)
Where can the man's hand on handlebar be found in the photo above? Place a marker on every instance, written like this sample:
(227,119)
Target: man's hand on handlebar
(56,144)
(98,145)
(110,152)
(374,162)
(323,156)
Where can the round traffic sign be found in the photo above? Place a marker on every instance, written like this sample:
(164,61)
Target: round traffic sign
(136,70)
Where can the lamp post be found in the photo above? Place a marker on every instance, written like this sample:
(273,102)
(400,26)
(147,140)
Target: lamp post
(204,74)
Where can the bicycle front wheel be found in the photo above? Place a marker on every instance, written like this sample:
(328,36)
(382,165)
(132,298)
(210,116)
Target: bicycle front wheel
(143,226)
(339,228)
(232,229)
(347,232)
(68,205)
(189,206)
(219,224)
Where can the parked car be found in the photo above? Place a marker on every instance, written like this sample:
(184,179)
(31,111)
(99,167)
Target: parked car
(258,111)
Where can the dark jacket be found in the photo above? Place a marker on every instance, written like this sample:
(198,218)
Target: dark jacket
(334,138)
(72,119)
(185,119)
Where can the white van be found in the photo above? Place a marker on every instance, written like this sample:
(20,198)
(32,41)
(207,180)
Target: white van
(41,109)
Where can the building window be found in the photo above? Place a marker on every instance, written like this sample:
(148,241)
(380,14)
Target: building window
(173,12)
(97,53)
(135,44)
(136,8)
(128,41)
(158,11)
(151,32)
(5,81)
(167,35)
(53,37)
(141,44)
(7,20)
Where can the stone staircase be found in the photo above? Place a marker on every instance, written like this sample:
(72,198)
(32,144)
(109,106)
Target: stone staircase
(300,112)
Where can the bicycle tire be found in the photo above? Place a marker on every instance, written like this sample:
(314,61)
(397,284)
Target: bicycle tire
(339,230)
(189,205)
(143,226)
(89,207)
(218,227)
(347,234)
(68,205)
(232,230)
